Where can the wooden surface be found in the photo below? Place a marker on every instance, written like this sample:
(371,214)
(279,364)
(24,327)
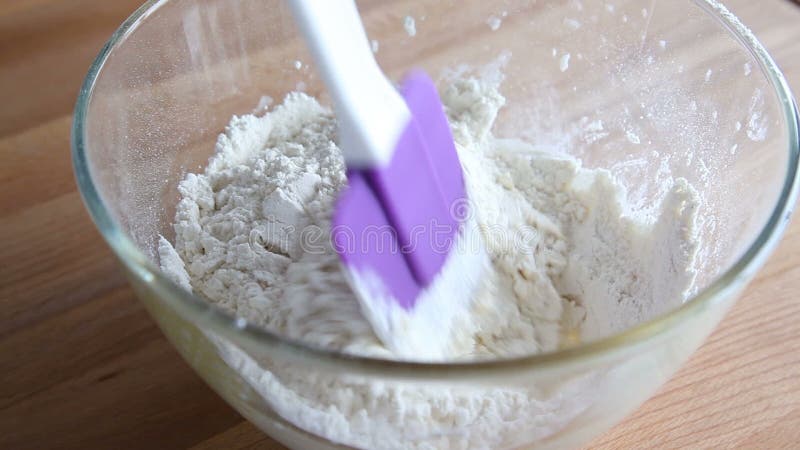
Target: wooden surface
(82,366)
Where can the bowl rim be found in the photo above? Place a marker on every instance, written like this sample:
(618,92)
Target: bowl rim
(202,313)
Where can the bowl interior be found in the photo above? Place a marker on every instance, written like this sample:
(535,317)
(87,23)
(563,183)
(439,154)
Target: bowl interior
(650,91)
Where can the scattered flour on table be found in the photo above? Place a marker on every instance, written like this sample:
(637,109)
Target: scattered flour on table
(567,265)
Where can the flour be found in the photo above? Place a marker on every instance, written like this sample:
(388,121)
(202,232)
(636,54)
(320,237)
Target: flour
(410,25)
(567,264)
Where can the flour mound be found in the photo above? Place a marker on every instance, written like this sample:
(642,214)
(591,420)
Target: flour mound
(567,265)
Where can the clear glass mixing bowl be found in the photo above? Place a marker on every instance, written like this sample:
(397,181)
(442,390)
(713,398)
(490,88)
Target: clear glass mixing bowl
(681,87)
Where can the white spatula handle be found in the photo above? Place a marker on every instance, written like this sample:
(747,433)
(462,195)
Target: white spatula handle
(371,112)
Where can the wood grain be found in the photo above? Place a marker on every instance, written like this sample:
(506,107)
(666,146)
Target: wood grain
(82,366)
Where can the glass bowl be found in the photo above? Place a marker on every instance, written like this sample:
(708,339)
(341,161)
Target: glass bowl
(682,89)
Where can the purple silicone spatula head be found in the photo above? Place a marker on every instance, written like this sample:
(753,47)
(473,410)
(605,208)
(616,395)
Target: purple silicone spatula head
(403,235)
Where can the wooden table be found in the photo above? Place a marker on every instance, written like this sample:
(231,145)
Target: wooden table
(83,366)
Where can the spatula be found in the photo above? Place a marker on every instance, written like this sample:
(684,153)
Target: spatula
(403,226)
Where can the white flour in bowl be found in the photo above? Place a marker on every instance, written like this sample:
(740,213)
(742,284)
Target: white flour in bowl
(567,265)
